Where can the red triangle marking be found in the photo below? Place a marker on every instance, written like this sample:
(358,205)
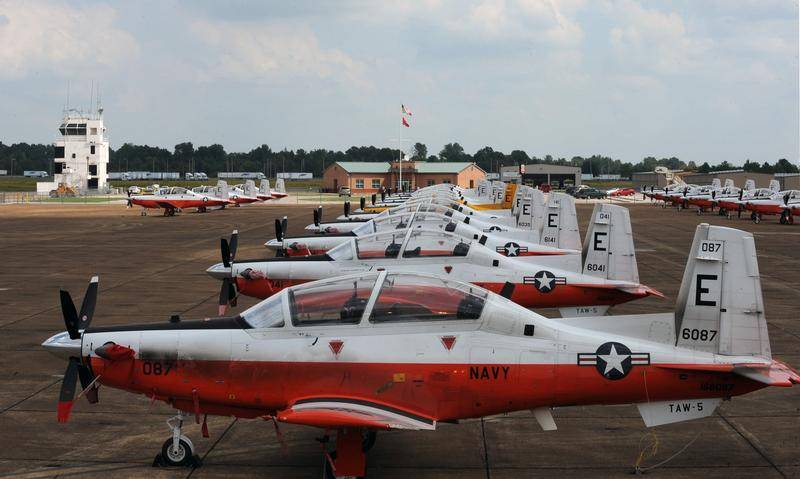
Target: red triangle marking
(336,346)
(448,342)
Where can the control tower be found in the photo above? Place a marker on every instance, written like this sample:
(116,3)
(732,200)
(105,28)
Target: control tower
(81,152)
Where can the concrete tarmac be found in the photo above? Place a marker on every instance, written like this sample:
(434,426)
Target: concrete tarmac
(152,267)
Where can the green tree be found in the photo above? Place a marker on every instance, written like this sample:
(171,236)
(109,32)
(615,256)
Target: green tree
(452,152)
(420,151)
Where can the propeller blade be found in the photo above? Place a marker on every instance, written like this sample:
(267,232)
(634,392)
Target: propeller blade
(316,217)
(70,315)
(232,295)
(284,223)
(362,202)
(320,213)
(234,244)
(374,198)
(347,208)
(225,252)
(86,377)
(508,290)
(224,297)
(278,230)
(67,394)
(383,195)
(89,302)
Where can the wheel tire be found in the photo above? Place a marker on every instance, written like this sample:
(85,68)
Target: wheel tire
(182,457)
(757,219)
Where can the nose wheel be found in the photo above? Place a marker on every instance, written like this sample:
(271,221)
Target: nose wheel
(177,450)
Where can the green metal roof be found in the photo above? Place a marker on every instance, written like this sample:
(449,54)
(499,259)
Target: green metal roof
(442,167)
(364,166)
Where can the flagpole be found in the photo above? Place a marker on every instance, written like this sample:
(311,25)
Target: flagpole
(400,147)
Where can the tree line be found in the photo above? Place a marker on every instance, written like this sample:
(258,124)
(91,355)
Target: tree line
(211,159)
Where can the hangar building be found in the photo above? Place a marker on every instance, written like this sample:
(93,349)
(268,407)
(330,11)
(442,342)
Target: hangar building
(369,177)
(543,173)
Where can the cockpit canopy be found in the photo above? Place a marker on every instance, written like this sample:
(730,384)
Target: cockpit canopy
(402,243)
(373,298)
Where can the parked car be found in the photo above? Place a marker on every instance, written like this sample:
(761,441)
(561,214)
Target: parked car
(590,193)
(344,191)
(572,189)
(621,192)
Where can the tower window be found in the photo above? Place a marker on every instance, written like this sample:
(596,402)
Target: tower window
(93,170)
(59,152)
(94,131)
(58,168)
(73,155)
(91,149)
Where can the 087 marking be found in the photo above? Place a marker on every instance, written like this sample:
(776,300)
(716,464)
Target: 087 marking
(156,368)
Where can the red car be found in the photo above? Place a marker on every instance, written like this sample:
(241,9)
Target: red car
(622,192)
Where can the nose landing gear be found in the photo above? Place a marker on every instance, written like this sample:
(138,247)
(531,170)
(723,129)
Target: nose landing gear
(178,450)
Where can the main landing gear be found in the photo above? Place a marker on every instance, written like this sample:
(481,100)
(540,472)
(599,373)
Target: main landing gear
(170,211)
(756,217)
(787,218)
(178,450)
(349,458)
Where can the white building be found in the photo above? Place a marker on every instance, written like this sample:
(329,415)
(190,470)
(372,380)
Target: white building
(81,153)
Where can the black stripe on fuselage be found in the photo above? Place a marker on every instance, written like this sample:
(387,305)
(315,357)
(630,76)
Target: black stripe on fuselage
(314,257)
(232,322)
(362,402)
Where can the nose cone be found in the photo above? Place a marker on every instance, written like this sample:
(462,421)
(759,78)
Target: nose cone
(219,271)
(274,244)
(62,346)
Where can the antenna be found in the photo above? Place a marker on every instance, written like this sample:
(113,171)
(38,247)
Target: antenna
(66,107)
(91,98)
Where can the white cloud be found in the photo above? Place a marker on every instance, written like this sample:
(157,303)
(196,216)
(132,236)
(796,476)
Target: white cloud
(60,38)
(658,40)
(258,52)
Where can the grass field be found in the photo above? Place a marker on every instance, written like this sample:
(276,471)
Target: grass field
(20,183)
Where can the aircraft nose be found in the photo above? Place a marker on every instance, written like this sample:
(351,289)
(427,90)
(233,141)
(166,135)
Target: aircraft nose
(219,271)
(274,244)
(62,346)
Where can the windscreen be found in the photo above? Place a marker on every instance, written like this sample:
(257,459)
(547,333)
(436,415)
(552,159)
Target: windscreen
(266,314)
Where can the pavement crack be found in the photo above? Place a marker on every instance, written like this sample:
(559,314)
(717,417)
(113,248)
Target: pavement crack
(744,434)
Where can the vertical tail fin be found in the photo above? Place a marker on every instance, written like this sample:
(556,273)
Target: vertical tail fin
(775,185)
(263,188)
(518,196)
(720,307)
(716,183)
(279,186)
(222,189)
(560,228)
(250,188)
(749,184)
(608,250)
(729,183)
(509,195)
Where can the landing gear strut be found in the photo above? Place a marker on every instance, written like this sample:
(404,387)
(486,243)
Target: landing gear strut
(178,450)
(349,459)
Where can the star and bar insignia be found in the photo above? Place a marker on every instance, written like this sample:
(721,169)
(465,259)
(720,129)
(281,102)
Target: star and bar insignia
(544,280)
(613,360)
(512,249)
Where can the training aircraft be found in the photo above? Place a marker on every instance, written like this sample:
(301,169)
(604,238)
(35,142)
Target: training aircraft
(263,192)
(609,274)
(243,194)
(538,230)
(175,199)
(740,203)
(364,353)
(280,189)
(783,203)
(727,200)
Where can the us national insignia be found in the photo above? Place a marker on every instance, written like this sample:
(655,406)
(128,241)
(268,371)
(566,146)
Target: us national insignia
(613,360)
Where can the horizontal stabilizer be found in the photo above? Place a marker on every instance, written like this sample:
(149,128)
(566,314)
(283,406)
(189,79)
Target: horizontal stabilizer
(668,412)
(545,418)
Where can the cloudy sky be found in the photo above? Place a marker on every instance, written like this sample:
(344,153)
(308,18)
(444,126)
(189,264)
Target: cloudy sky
(704,80)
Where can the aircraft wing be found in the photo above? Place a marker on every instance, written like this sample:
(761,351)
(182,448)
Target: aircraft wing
(350,412)
(166,205)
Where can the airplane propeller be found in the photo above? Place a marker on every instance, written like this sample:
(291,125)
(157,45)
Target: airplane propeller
(130,203)
(362,203)
(318,216)
(227,295)
(76,323)
(228,249)
(374,198)
(347,209)
(383,195)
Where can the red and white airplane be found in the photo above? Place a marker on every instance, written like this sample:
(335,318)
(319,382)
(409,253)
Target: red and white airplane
(728,200)
(279,191)
(243,194)
(609,273)
(372,352)
(175,199)
(550,229)
(783,203)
